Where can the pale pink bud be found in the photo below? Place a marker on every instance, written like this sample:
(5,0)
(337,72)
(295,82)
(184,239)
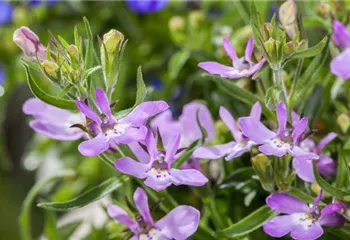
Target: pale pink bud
(29,42)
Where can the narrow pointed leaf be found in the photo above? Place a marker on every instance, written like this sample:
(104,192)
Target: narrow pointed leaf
(335,192)
(49,99)
(177,61)
(311,52)
(249,224)
(89,196)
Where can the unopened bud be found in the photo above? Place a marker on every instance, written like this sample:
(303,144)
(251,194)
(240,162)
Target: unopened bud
(73,51)
(177,29)
(270,46)
(323,9)
(112,39)
(29,42)
(195,19)
(288,15)
(343,121)
(50,68)
(263,169)
(288,48)
(267,30)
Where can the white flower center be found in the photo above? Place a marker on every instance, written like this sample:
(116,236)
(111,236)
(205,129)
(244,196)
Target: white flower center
(153,234)
(116,131)
(278,143)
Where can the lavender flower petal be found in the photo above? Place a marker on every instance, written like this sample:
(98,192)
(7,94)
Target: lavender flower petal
(339,65)
(121,216)
(190,177)
(249,50)
(256,111)
(327,139)
(131,135)
(255,130)
(216,68)
(281,112)
(341,36)
(141,202)
(285,203)
(307,231)
(303,169)
(88,112)
(180,223)
(230,122)
(157,185)
(214,152)
(279,226)
(103,103)
(94,146)
(274,149)
(299,129)
(129,166)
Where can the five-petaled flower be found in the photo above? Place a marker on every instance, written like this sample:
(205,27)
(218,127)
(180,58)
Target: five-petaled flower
(241,67)
(109,132)
(179,224)
(281,142)
(187,126)
(303,221)
(157,167)
(231,149)
(341,37)
(325,165)
(54,122)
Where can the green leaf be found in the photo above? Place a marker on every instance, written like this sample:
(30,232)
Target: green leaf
(187,154)
(141,93)
(335,192)
(92,71)
(177,61)
(52,100)
(90,44)
(302,196)
(239,93)
(273,96)
(249,224)
(236,177)
(313,104)
(87,197)
(311,52)
(51,231)
(255,22)
(25,215)
(307,80)
(204,234)
(343,172)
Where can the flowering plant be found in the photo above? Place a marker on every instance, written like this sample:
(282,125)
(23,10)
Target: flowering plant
(235,129)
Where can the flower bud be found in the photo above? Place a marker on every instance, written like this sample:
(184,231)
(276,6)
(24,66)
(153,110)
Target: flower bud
(73,51)
(112,39)
(323,10)
(195,19)
(343,121)
(288,14)
(50,68)
(267,30)
(29,42)
(264,170)
(177,29)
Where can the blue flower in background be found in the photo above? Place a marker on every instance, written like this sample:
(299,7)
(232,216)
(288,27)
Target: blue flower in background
(5,12)
(2,75)
(38,2)
(146,6)
(157,83)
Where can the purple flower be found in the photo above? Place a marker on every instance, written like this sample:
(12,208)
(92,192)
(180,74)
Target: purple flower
(281,142)
(6,12)
(231,149)
(146,6)
(53,122)
(341,37)
(39,2)
(241,67)
(109,131)
(156,166)
(325,165)
(179,224)
(302,221)
(2,75)
(186,125)
(30,44)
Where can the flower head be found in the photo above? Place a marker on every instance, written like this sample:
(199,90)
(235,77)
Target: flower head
(156,167)
(231,149)
(180,223)
(53,122)
(146,6)
(341,37)
(109,132)
(30,44)
(302,221)
(284,140)
(325,165)
(6,12)
(241,67)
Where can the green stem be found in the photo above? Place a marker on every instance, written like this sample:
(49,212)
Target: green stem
(106,160)
(217,220)
(277,79)
(295,81)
